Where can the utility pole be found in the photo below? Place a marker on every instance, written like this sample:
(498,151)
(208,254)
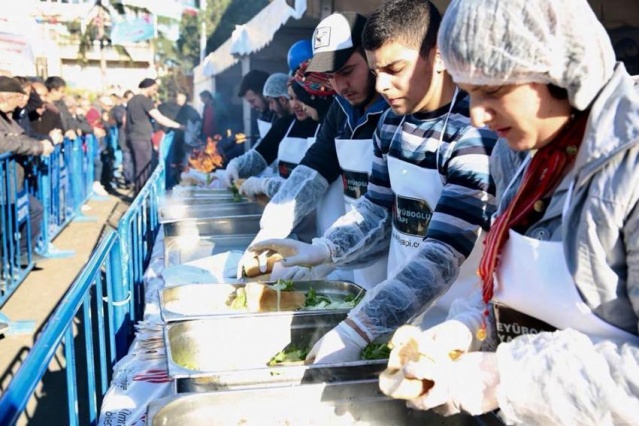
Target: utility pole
(100,21)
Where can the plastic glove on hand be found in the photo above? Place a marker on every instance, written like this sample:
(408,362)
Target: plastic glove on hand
(468,384)
(437,345)
(231,173)
(252,187)
(301,273)
(295,253)
(341,344)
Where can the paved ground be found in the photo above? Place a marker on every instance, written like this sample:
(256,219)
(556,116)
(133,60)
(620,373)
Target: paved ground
(38,296)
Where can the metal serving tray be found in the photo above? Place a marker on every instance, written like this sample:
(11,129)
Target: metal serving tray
(178,251)
(232,352)
(197,192)
(335,404)
(199,301)
(194,228)
(175,212)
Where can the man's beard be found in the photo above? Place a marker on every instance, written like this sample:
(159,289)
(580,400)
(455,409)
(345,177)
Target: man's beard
(370,93)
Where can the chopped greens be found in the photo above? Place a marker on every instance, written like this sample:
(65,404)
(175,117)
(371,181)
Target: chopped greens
(354,299)
(314,299)
(237,197)
(283,285)
(375,351)
(290,354)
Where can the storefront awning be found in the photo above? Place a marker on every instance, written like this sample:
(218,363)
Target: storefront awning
(252,36)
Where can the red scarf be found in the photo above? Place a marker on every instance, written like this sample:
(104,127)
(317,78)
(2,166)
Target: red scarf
(546,170)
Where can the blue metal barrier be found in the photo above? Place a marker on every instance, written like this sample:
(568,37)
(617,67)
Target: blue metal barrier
(15,227)
(83,300)
(137,228)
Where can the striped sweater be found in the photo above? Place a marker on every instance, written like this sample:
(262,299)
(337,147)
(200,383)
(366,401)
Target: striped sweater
(467,200)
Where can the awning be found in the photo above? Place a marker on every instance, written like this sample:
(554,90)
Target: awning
(16,54)
(252,36)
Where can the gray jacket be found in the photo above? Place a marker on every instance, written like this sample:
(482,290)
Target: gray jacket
(590,382)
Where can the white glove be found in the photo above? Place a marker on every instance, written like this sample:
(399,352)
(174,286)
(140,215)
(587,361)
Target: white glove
(295,252)
(341,344)
(253,186)
(468,384)
(301,273)
(443,340)
(231,174)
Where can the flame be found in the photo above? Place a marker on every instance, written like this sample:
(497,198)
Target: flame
(208,159)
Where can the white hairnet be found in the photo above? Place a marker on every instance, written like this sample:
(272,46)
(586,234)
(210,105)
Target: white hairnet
(497,42)
(275,85)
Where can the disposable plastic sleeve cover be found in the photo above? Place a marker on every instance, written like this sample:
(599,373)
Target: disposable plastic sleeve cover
(360,236)
(296,198)
(249,164)
(566,378)
(272,185)
(392,303)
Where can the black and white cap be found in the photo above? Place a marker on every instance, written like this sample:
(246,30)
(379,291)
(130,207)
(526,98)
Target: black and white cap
(334,41)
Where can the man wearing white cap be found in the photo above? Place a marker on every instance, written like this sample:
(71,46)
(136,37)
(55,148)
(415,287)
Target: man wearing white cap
(343,147)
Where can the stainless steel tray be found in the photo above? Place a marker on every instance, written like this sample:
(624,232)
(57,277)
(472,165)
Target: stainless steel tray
(335,404)
(199,301)
(194,228)
(196,192)
(175,212)
(178,251)
(232,352)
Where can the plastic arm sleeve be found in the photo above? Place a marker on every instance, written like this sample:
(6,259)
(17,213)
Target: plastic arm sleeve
(272,185)
(296,198)
(360,236)
(565,378)
(249,164)
(392,303)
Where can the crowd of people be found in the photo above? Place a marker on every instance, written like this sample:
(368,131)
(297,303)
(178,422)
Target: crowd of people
(481,182)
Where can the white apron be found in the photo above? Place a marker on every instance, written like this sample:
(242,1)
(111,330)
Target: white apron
(263,127)
(417,192)
(535,292)
(290,152)
(355,158)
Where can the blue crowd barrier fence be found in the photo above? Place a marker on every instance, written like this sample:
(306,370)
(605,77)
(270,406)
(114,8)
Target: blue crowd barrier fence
(106,298)
(137,228)
(15,228)
(84,305)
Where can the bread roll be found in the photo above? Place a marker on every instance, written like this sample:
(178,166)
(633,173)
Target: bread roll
(262,298)
(394,384)
(261,263)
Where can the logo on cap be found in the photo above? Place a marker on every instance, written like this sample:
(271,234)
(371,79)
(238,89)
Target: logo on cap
(322,37)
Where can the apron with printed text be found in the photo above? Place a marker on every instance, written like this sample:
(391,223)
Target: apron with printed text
(535,292)
(355,158)
(417,192)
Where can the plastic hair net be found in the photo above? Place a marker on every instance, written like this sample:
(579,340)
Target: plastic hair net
(297,197)
(394,302)
(498,42)
(361,236)
(249,164)
(275,86)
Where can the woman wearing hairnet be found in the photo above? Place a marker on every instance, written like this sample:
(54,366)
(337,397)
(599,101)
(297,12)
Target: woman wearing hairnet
(561,261)
(313,94)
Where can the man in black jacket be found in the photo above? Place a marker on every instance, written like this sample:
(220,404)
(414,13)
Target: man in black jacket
(13,139)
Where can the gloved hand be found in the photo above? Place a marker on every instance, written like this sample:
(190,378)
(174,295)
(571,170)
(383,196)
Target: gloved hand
(438,345)
(295,252)
(468,384)
(341,344)
(231,173)
(301,273)
(253,186)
